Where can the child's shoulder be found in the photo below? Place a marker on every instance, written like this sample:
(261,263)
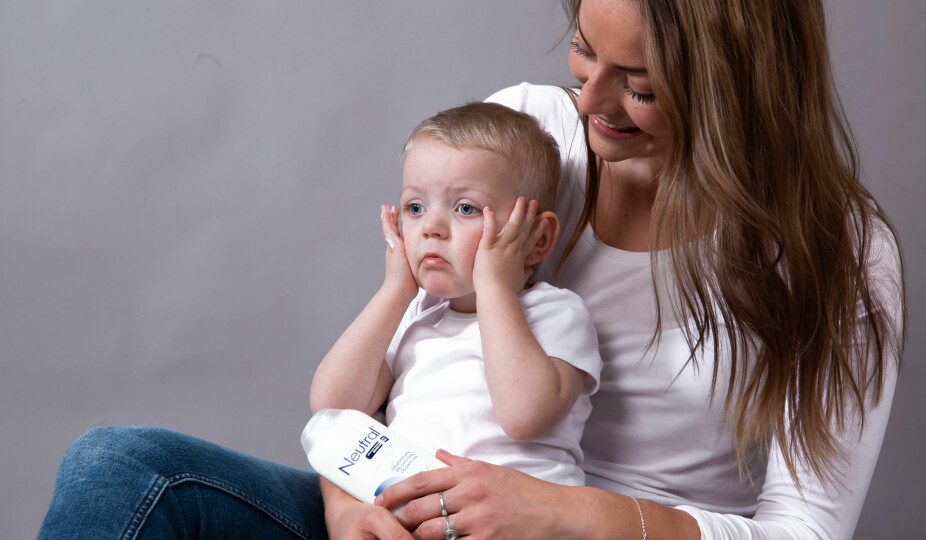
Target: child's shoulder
(544,293)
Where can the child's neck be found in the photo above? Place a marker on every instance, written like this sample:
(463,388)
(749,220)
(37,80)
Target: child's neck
(464,304)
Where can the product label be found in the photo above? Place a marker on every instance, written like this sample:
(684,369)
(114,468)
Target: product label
(404,462)
(367,447)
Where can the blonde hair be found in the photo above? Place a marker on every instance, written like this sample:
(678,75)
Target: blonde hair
(762,156)
(517,136)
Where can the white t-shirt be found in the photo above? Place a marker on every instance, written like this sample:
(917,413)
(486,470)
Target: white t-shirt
(440,398)
(654,432)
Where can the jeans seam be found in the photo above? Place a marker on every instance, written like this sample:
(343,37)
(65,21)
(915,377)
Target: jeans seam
(279,517)
(141,514)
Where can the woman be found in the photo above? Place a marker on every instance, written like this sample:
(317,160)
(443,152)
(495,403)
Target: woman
(719,146)
(746,289)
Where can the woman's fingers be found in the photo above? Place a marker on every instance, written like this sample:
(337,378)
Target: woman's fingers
(481,500)
(425,513)
(437,527)
(450,459)
(383,528)
(367,522)
(416,486)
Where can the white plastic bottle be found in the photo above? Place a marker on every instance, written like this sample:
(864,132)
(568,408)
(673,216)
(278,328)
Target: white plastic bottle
(359,454)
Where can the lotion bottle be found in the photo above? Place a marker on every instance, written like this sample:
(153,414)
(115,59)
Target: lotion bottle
(360,455)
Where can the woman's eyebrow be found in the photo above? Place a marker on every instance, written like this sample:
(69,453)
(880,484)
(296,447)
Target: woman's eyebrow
(634,70)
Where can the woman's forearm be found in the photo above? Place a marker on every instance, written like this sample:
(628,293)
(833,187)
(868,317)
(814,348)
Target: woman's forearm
(610,515)
(336,501)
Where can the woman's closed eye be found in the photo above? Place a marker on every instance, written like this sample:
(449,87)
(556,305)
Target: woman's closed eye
(640,97)
(646,99)
(576,48)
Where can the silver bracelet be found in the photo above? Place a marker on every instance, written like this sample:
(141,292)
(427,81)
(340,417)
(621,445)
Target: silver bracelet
(640,510)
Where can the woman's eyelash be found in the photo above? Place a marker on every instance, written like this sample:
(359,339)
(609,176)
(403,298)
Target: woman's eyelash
(574,44)
(645,99)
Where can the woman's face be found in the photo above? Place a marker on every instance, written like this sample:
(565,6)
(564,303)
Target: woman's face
(606,56)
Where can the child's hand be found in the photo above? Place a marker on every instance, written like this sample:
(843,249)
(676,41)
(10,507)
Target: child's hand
(500,258)
(398,274)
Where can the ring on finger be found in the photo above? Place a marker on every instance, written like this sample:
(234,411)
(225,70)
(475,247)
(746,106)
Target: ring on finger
(443,509)
(450,534)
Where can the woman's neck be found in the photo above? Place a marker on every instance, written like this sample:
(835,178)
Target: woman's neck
(625,203)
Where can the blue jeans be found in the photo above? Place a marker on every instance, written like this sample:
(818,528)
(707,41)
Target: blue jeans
(142,482)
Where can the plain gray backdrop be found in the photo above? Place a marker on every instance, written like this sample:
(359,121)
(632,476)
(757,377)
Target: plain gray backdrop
(190,190)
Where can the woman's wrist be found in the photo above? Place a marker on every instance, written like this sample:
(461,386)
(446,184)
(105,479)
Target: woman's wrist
(336,502)
(596,513)
(576,512)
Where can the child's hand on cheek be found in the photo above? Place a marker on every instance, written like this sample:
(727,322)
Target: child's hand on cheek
(398,274)
(500,258)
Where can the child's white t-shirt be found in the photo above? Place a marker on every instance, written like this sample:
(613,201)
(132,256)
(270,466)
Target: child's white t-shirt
(440,398)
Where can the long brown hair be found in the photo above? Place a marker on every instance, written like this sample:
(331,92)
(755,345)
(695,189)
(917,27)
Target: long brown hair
(762,155)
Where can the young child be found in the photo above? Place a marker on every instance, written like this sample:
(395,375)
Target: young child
(510,386)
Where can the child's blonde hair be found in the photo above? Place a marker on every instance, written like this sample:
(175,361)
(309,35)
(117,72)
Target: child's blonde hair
(517,136)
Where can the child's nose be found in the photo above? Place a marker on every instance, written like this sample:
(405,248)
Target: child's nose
(435,225)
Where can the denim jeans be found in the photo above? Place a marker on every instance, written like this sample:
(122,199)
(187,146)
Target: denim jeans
(142,483)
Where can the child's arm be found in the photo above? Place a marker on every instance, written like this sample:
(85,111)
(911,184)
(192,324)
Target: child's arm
(531,392)
(354,374)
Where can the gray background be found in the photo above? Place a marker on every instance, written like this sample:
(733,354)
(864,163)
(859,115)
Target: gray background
(189,202)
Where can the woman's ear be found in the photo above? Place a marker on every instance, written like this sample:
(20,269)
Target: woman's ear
(546,225)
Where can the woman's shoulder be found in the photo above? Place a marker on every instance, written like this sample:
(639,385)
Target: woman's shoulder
(553,106)
(885,266)
(532,95)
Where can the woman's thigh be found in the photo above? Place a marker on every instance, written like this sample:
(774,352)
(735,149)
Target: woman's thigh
(142,482)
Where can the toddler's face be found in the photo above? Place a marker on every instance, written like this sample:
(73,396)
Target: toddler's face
(443,193)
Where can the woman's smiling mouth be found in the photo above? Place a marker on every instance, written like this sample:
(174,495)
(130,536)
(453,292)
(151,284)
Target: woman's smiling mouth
(612,131)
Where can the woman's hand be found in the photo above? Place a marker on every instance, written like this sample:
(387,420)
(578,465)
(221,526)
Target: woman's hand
(482,501)
(349,519)
(398,273)
(367,522)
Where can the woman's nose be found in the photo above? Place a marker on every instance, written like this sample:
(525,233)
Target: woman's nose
(601,93)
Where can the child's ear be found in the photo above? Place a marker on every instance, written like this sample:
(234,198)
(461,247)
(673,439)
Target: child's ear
(547,225)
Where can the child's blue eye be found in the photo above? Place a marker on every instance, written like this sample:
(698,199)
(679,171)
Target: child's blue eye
(415,209)
(467,209)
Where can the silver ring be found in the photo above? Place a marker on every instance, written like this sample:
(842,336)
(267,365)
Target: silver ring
(443,510)
(450,534)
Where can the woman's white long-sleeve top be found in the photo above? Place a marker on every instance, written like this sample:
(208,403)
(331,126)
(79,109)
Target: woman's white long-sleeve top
(654,431)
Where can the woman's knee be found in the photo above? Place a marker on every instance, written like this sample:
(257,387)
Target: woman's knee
(136,445)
